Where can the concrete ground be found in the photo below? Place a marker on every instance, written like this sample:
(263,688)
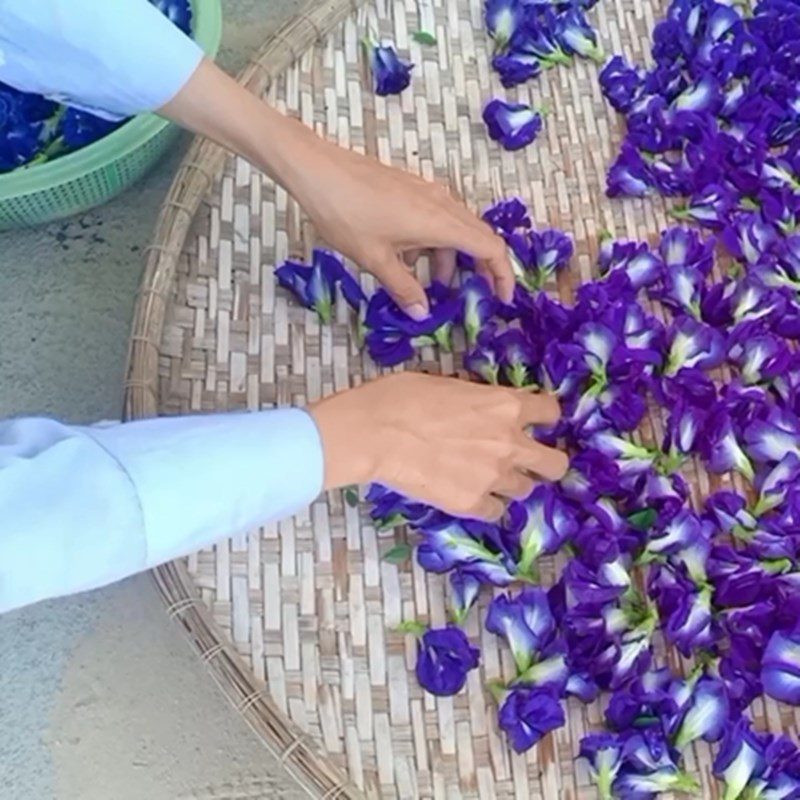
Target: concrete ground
(100,696)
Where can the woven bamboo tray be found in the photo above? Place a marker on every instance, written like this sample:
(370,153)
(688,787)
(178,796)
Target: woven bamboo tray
(295,622)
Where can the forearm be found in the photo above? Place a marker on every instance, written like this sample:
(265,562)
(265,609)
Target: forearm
(215,105)
(83,507)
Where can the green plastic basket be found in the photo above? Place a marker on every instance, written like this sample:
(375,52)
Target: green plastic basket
(94,174)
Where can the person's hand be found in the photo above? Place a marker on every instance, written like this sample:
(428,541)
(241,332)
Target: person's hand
(382,218)
(461,447)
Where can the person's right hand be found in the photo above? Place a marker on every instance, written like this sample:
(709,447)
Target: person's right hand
(461,447)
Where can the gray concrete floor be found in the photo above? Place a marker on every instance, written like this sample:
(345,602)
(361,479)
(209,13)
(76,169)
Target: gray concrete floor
(100,696)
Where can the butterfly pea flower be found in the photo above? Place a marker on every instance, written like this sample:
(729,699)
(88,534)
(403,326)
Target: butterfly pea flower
(630,175)
(315,285)
(771,438)
(479,305)
(527,714)
(620,83)
(444,657)
(465,588)
(447,545)
(508,216)
(665,778)
(709,206)
(518,358)
(749,238)
(576,35)
(393,336)
(780,667)
(179,13)
(514,125)
(706,714)
(516,67)
(774,484)
(590,476)
(597,587)
(78,128)
(740,758)
(693,344)
(503,18)
(704,97)
(682,435)
(683,530)
(721,448)
(392,75)
(23,118)
(603,752)
(636,260)
(482,361)
(632,459)
(525,622)
(549,251)
(538,36)
(542,523)
(583,686)
(685,610)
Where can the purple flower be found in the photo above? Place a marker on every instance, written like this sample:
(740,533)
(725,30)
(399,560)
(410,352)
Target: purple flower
(720,445)
(444,657)
(465,588)
(684,426)
(760,356)
(705,715)
(80,128)
(685,610)
(775,483)
(391,73)
(576,35)
(508,216)
(642,267)
(679,533)
(771,437)
(740,757)
(525,622)
(704,97)
(621,84)
(709,206)
(315,286)
(583,686)
(449,544)
(597,587)
(518,358)
(514,125)
(515,68)
(22,126)
(603,752)
(780,667)
(179,13)
(482,362)
(479,306)
(538,37)
(549,251)
(542,524)
(693,344)
(393,335)
(630,175)
(503,18)
(528,714)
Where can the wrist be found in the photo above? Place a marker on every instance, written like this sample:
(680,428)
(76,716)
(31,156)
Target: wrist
(350,448)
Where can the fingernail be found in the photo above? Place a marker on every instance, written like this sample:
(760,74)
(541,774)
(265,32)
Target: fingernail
(417,312)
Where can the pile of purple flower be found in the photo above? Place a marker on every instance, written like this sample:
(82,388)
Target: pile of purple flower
(717,119)
(718,583)
(530,37)
(34,129)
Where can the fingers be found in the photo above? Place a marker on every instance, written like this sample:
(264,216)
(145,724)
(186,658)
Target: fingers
(443,261)
(515,486)
(538,409)
(482,269)
(411,256)
(404,288)
(550,464)
(490,509)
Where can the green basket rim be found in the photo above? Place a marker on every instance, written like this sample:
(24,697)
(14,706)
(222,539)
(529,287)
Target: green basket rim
(123,141)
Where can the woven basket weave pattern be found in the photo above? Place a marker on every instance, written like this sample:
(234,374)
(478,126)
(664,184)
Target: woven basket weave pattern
(308,604)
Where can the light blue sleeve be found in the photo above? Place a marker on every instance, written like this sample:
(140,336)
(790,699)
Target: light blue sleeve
(83,507)
(115,58)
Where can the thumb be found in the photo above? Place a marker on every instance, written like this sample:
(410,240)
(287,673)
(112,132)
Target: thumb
(404,288)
